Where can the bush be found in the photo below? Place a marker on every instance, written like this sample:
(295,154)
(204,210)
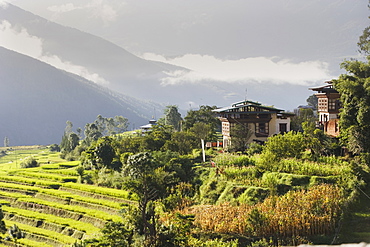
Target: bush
(254,148)
(54,148)
(29,162)
(253,195)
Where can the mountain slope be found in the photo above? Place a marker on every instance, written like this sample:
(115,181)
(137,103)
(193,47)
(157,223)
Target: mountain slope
(122,69)
(140,78)
(37,99)
(124,72)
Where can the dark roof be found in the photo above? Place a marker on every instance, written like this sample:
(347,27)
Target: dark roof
(247,103)
(328,88)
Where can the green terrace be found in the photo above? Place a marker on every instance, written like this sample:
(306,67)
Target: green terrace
(48,204)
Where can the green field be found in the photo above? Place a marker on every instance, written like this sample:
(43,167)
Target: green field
(47,204)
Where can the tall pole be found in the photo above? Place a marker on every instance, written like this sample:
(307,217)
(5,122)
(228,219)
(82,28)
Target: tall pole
(203,151)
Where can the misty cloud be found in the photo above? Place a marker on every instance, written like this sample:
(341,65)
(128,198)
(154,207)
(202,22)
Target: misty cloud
(3,4)
(63,8)
(19,40)
(256,69)
(98,9)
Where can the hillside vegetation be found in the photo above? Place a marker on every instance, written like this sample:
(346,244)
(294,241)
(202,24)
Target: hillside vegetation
(231,200)
(48,205)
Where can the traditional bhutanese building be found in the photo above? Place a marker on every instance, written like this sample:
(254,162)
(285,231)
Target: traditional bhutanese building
(262,121)
(328,108)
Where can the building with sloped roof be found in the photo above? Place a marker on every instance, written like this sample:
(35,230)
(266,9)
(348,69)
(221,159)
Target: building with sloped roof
(328,108)
(262,121)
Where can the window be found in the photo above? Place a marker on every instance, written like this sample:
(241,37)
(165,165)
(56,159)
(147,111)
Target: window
(323,104)
(262,128)
(283,127)
(332,104)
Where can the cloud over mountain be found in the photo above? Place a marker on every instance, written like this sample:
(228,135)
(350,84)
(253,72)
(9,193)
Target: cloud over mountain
(106,11)
(18,39)
(257,69)
(37,99)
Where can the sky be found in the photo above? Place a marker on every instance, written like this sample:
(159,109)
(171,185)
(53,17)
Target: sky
(284,42)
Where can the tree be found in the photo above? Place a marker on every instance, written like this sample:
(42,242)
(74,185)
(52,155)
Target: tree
(111,126)
(288,145)
(2,223)
(182,142)
(240,135)
(70,140)
(312,101)
(100,154)
(205,114)
(141,171)
(354,89)
(92,133)
(6,142)
(156,137)
(302,115)
(115,234)
(364,41)
(202,131)
(173,117)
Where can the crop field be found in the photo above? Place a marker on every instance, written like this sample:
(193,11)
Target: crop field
(48,204)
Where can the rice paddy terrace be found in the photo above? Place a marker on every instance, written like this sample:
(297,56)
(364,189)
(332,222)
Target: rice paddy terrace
(48,204)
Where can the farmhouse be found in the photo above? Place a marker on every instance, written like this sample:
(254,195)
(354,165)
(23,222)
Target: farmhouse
(147,127)
(328,108)
(262,121)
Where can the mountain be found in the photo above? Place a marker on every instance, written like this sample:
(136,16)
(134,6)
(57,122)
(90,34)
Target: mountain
(121,71)
(117,69)
(37,99)
(124,71)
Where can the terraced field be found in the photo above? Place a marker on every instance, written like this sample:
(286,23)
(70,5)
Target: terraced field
(49,205)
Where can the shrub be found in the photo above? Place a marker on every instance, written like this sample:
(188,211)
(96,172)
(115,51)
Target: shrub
(227,159)
(29,162)
(254,148)
(54,148)
(253,195)
(289,145)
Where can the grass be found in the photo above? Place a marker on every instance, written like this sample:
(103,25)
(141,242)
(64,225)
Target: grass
(40,231)
(81,226)
(73,208)
(356,227)
(15,155)
(23,184)
(101,190)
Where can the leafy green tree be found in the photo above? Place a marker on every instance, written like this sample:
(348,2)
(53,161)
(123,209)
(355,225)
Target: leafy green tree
(354,89)
(100,154)
(120,124)
(173,117)
(313,101)
(111,126)
(29,162)
(92,133)
(364,41)
(240,136)
(69,139)
(303,115)
(6,142)
(141,171)
(182,142)
(115,234)
(54,148)
(288,145)
(2,223)
(202,131)
(156,137)
(205,114)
